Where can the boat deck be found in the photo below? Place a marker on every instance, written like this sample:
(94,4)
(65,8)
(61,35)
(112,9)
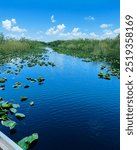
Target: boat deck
(7,144)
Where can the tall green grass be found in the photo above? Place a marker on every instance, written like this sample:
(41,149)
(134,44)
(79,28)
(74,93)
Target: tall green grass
(86,48)
(10,47)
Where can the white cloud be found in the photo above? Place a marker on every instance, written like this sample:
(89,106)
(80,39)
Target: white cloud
(58,33)
(13,21)
(107,33)
(53,19)
(61,27)
(75,30)
(56,30)
(117,31)
(17,29)
(76,33)
(9,25)
(104,26)
(89,18)
(93,35)
(51,31)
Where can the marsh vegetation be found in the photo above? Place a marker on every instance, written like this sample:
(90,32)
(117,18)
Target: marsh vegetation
(12,48)
(86,48)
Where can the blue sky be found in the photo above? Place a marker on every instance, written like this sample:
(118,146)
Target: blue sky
(49,20)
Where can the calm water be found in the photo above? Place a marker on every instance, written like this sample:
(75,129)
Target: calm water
(74,109)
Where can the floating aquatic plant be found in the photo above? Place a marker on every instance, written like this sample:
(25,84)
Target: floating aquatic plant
(31,64)
(6,105)
(17,85)
(26,142)
(15,105)
(9,123)
(103,67)
(3,80)
(20,115)
(40,79)
(26,86)
(107,76)
(13,110)
(8,72)
(23,98)
(51,64)
(31,103)
(31,80)
(101,74)
(2,87)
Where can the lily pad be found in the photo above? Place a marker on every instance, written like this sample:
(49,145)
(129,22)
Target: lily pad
(26,142)
(8,72)
(2,88)
(31,103)
(26,86)
(103,67)
(3,116)
(3,112)
(9,123)
(40,79)
(15,105)
(31,64)
(101,74)
(20,115)
(51,64)
(13,110)
(41,63)
(15,86)
(31,80)
(3,80)
(23,98)
(18,83)
(107,77)
(6,105)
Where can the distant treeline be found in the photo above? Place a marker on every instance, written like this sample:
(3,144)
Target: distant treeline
(88,48)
